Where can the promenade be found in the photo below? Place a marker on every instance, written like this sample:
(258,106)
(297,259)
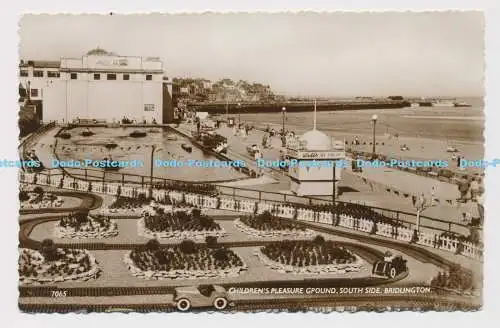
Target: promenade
(404,181)
(276,181)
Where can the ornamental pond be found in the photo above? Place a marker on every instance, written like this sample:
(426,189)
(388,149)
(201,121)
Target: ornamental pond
(116,144)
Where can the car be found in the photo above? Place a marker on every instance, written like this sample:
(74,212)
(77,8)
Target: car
(188,297)
(390,266)
(451,149)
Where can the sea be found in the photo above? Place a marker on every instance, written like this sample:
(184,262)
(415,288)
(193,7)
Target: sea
(442,123)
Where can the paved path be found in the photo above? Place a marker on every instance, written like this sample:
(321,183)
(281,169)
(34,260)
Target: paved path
(411,183)
(401,180)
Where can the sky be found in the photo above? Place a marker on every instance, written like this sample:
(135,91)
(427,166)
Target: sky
(311,54)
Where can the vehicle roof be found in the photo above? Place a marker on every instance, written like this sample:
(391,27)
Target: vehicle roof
(194,289)
(188,289)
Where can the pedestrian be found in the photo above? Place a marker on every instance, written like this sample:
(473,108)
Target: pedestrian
(198,124)
(474,189)
(264,140)
(243,132)
(463,188)
(257,156)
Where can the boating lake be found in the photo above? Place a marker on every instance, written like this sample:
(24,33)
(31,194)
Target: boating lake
(168,143)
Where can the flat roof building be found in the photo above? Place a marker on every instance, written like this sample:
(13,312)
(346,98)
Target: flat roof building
(99,85)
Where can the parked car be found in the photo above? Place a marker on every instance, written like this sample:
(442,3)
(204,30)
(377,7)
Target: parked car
(390,266)
(189,297)
(451,149)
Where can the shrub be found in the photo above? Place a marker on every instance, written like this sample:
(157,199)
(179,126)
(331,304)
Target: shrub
(48,250)
(142,197)
(81,216)
(187,246)
(38,190)
(211,241)
(23,196)
(221,255)
(456,279)
(196,212)
(153,245)
(319,240)
(414,237)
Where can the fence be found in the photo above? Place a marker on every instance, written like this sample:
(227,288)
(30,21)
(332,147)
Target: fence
(143,183)
(284,210)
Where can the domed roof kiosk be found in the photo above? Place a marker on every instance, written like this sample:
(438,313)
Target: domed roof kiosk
(312,157)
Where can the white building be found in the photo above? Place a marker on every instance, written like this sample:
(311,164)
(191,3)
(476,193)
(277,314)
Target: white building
(320,178)
(99,86)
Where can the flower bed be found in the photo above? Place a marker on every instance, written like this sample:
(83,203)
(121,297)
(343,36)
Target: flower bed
(123,205)
(353,210)
(184,261)
(81,225)
(202,189)
(37,199)
(56,265)
(127,205)
(266,225)
(310,257)
(179,225)
(456,279)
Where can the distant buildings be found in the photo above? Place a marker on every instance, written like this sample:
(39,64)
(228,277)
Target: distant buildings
(204,90)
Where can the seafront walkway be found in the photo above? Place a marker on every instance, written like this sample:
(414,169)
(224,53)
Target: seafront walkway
(279,182)
(401,180)
(392,178)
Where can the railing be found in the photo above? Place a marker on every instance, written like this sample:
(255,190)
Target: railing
(32,136)
(400,218)
(364,221)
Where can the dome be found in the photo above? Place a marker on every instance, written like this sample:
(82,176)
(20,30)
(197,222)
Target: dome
(317,141)
(99,52)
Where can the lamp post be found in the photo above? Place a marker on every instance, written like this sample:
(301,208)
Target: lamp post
(374,119)
(334,193)
(283,137)
(153,149)
(239,114)
(422,203)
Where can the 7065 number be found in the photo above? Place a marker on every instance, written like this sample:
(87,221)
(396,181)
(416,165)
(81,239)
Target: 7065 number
(59,293)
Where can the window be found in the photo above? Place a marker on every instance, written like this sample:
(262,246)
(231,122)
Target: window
(38,73)
(74,76)
(149,107)
(23,73)
(34,92)
(149,77)
(126,77)
(97,76)
(111,77)
(53,74)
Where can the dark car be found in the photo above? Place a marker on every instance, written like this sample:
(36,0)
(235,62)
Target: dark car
(390,266)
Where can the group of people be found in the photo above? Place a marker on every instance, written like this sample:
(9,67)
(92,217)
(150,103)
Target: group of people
(241,130)
(470,190)
(32,157)
(126,120)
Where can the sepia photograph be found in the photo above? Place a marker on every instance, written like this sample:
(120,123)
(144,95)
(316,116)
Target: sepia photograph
(242,162)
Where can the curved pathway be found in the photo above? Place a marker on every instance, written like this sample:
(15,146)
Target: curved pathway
(368,248)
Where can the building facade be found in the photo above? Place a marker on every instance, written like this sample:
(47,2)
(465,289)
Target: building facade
(99,86)
(316,172)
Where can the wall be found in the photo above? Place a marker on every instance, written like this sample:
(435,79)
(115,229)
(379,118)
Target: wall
(65,99)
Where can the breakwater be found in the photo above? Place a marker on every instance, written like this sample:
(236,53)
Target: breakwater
(221,108)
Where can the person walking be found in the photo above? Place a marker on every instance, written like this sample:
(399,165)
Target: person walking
(265,138)
(198,124)
(474,189)
(258,155)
